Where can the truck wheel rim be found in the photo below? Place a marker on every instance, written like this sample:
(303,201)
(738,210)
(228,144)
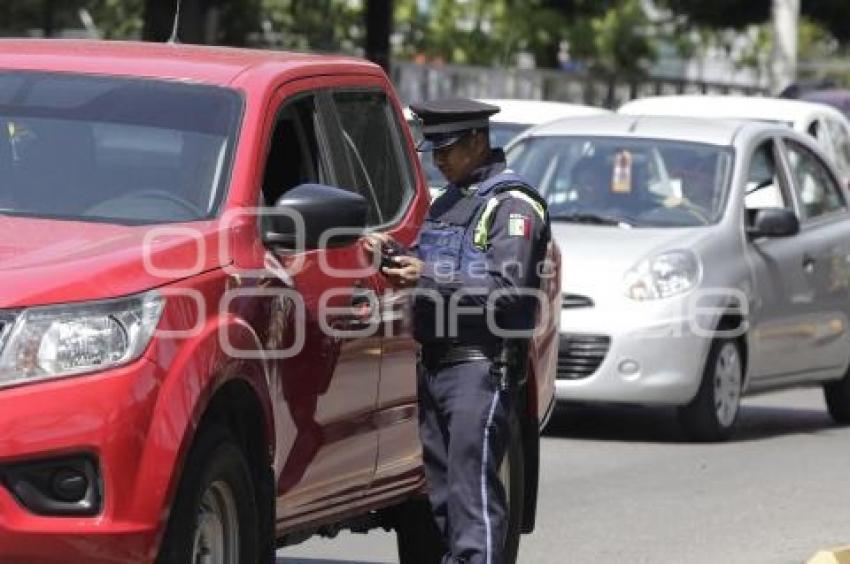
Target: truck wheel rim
(217,529)
(727,384)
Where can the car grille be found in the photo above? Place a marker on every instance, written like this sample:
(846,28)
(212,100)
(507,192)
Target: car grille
(580,355)
(575,301)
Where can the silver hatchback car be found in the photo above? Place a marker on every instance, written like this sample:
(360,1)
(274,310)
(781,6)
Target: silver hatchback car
(702,260)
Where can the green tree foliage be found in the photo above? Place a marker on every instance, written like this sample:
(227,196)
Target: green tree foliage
(313,25)
(621,39)
(117,19)
(610,34)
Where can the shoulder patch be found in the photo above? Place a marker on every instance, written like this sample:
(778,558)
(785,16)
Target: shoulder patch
(519,225)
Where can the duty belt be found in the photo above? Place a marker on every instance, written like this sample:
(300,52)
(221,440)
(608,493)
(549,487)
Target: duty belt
(437,355)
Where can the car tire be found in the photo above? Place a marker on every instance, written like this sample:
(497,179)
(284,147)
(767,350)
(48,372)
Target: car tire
(712,414)
(837,396)
(215,510)
(419,541)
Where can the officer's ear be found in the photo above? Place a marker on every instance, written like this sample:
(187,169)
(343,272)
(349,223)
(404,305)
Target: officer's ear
(480,141)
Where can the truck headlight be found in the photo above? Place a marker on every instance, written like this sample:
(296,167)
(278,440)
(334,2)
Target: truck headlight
(664,275)
(56,341)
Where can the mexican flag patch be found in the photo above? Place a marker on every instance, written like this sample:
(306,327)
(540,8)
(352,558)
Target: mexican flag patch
(519,225)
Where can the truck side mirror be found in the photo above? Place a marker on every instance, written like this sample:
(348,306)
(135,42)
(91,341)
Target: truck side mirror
(302,215)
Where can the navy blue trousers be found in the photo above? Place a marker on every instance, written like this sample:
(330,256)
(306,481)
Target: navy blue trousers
(463,424)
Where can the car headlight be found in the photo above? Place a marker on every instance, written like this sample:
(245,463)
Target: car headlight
(56,341)
(664,275)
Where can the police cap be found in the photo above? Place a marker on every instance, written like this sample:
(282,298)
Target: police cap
(444,122)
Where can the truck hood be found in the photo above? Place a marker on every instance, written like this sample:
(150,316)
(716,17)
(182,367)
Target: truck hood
(49,261)
(595,258)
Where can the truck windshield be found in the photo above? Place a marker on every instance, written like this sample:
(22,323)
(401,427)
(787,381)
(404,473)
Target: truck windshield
(110,149)
(638,182)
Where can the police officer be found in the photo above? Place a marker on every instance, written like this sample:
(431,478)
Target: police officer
(479,250)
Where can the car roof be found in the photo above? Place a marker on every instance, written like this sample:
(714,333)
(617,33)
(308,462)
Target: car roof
(195,63)
(796,112)
(698,130)
(533,112)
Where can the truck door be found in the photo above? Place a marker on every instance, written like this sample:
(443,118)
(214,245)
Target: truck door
(379,156)
(325,393)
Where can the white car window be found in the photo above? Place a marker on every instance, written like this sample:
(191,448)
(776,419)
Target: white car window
(821,133)
(813,182)
(841,144)
(763,188)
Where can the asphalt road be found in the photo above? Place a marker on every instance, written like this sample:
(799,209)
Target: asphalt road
(621,485)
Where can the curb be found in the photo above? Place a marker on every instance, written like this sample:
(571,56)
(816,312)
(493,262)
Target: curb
(831,556)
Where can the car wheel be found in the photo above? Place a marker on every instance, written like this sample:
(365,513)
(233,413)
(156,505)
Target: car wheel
(214,518)
(419,541)
(712,414)
(837,396)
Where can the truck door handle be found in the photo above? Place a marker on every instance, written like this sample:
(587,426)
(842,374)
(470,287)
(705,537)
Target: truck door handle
(809,263)
(364,302)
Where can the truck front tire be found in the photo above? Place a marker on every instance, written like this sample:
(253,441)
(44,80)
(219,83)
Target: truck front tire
(214,514)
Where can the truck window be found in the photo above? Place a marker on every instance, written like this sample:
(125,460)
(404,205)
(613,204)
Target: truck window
(374,148)
(112,149)
(293,156)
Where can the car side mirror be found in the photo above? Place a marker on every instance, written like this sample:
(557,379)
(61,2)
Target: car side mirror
(773,222)
(302,216)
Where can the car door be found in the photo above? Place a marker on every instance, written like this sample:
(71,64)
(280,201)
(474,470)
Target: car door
(326,443)
(378,155)
(825,242)
(779,289)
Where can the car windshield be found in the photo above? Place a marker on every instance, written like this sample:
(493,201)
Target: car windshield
(626,181)
(114,149)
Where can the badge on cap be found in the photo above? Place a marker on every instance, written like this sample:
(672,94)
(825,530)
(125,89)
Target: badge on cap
(519,225)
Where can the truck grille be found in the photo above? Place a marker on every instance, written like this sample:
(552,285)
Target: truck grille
(575,300)
(580,355)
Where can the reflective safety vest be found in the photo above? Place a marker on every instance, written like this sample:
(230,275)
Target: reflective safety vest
(455,239)
(444,235)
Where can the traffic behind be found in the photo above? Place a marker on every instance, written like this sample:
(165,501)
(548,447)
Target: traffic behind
(702,260)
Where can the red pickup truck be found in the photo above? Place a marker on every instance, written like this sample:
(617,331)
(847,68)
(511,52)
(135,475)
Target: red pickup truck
(187,373)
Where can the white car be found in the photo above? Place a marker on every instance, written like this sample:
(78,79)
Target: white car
(518,115)
(826,124)
(515,117)
(701,260)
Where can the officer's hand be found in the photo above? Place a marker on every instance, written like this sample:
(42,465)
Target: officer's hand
(373,243)
(406,274)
